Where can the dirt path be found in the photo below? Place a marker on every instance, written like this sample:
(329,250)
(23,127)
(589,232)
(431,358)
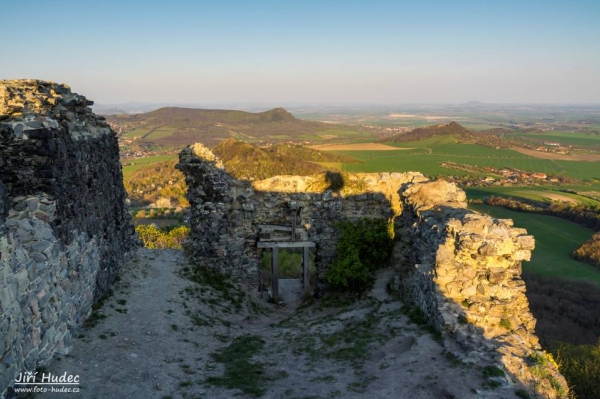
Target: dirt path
(168,336)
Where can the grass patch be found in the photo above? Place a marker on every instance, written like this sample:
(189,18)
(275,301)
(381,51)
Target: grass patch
(539,364)
(352,344)
(493,371)
(226,291)
(241,372)
(417,316)
(96,316)
(141,163)
(505,323)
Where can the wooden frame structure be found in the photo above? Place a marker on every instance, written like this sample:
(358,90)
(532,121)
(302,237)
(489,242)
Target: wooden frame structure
(276,237)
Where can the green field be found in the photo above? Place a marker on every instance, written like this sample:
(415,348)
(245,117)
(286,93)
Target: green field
(555,240)
(161,133)
(532,193)
(426,155)
(562,137)
(144,162)
(136,133)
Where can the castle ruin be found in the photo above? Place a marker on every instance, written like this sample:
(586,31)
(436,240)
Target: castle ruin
(65,232)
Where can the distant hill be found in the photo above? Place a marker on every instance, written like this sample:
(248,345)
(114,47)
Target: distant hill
(176,127)
(251,162)
(454,129)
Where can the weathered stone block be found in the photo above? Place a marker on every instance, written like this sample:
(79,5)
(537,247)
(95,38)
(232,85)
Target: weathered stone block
(526,242)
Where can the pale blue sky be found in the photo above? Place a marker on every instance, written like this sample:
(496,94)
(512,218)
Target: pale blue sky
(308,52)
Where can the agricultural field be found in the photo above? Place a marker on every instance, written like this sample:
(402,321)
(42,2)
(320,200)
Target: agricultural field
(564,138)
(545,194)
(555,240)
(355,147)
(137,164)
(426,155)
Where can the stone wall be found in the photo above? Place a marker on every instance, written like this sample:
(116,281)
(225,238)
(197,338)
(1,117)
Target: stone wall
(463,270)
(226,212)
(460,268)
(64,225)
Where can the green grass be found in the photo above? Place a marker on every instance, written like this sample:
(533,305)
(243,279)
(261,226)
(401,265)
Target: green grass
(310,137)
(144,162)
(580,169)
(425,156)
(566,138)
(530,193)
(162,132)
(450,145)
(136,133)
(555,240)
(240,371)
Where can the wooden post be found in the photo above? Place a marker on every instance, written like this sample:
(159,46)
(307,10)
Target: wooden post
(306,271)
(275,274)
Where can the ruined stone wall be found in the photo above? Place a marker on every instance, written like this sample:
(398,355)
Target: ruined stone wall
(64,226)
(463,270)
(460,268)
(226,212)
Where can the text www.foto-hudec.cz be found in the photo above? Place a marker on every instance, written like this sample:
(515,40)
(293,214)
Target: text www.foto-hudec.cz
(46,382)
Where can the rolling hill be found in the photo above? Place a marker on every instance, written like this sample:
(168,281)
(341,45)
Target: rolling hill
(251,162)
(175,127)
(453,129)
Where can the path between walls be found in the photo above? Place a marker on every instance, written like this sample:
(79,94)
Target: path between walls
(161,329)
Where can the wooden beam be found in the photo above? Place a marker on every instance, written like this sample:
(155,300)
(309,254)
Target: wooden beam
(306,270)
(285,244)
(275,274)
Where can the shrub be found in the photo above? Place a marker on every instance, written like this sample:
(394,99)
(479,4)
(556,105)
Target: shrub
(349,272)
(153,237)
(580,365)
(493,371)
(362,248)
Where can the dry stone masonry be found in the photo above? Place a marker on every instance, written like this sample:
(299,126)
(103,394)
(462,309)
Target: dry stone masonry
(227,213)
(460,268)
(463,270)
(64,225)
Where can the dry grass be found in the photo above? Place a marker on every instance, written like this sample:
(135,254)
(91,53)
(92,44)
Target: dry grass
(559,197)
(356,147)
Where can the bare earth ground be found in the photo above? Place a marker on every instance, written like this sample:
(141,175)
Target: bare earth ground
(356,147)
(559,157)
(166,336)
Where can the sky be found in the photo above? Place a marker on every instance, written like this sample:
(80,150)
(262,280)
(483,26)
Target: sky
(308,52)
